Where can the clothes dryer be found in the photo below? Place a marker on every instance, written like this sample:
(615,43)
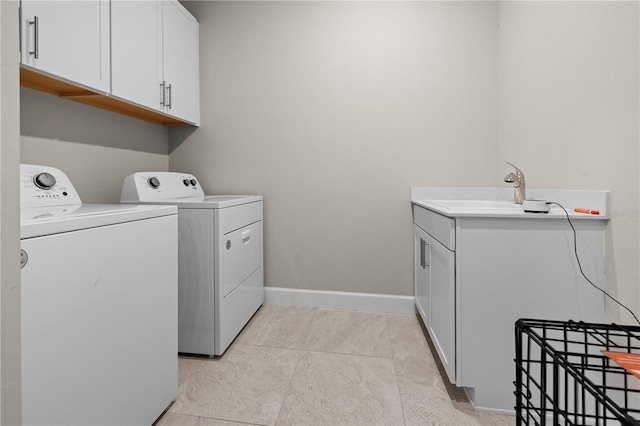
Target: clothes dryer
(99,301)
(221,279)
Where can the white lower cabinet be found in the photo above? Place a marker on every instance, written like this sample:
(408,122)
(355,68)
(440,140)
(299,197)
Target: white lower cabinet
(421,275)
(476,276)
(435,295)
(442,328)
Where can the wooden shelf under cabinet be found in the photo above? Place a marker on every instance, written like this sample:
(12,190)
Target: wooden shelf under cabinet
(43,83)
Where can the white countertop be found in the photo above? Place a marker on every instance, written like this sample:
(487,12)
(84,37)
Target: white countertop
(500,202)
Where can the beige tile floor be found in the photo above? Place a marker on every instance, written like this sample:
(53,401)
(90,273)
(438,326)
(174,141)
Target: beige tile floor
(307,366)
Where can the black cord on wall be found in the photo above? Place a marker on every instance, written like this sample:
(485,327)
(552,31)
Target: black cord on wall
(575,249)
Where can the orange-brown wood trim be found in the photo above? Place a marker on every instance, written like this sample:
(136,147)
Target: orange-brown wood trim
(44,83)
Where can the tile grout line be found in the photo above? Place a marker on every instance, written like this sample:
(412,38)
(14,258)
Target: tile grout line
(318,351)
(315,316)
(163,422)
(288,389)
(233,421)
(295,369)
(395,371)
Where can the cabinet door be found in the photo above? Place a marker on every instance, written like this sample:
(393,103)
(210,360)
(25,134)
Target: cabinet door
(180,62)
(67,39)
(442,298)
(136,44)
(421,275)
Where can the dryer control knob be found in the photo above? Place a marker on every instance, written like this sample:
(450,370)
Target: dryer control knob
(153,182)
(44,180)
(186,182)
(193,182)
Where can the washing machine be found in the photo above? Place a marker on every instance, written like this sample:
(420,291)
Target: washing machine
(220,266)
(99,301)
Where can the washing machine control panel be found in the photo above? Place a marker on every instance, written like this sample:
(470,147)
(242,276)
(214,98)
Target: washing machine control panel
(155,186)
(43,186)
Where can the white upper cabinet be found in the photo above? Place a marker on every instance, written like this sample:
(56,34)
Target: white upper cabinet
(180,62)
(68,40)
(136,57)
(155,57)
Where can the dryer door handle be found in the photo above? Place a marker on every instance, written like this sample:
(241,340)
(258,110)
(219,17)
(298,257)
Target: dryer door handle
(246,236)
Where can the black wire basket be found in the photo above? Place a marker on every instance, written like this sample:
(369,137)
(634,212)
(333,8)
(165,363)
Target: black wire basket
(564,378)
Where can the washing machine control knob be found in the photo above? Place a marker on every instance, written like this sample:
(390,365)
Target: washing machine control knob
(193,182)
(186,182)
(153,182)
(44,180)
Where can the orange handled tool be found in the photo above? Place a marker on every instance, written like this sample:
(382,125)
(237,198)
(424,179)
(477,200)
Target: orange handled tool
(587,211)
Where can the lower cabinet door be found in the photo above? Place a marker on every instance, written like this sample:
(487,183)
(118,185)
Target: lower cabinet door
(442,304)
(421,275)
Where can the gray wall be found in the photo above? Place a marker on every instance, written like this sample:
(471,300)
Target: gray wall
(569,109)
(332,110)
(97,149)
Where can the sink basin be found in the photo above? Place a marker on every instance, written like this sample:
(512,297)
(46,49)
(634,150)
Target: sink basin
(476,204)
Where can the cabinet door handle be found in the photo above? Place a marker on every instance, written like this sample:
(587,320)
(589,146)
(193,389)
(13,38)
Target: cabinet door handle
(427,254)
(424,248)
(162,94)
(36,48)
(169,96)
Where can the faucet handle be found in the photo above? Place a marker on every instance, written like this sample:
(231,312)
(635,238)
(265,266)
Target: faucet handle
(518,171)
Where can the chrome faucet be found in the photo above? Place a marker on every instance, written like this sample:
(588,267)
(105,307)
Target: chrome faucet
(517,179)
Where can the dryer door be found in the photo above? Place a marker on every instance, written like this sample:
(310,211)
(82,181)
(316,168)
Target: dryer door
(242,255)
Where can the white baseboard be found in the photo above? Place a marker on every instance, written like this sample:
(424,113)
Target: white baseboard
(366,302)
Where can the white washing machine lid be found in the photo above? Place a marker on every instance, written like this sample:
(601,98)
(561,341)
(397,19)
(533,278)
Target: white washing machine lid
(49,220)
(208,201)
